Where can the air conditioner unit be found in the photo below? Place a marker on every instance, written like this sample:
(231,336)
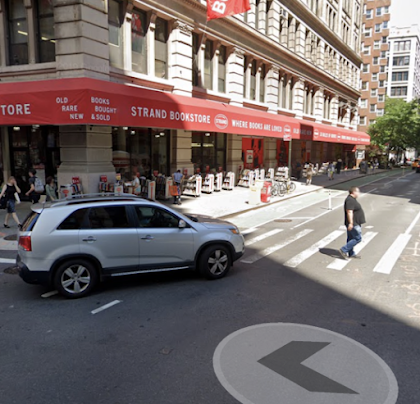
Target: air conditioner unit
(283,13)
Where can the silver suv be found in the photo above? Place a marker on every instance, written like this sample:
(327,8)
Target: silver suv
(73,243)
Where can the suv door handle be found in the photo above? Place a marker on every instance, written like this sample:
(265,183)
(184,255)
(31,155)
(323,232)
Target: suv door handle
(147,238)
(89,239)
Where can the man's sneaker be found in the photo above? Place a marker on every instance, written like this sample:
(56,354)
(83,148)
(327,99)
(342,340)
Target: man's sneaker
(356,257)
(343,254)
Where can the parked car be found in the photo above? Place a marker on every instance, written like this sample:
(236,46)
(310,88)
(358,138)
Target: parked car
(415,165)
(74,243)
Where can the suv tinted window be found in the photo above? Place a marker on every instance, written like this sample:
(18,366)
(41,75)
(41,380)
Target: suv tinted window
(30,221)
(155,217)
(74,221)
(108,217)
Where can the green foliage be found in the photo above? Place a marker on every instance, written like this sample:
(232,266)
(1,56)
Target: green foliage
(399,127)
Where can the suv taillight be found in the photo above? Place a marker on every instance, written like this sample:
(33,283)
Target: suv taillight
(25,243)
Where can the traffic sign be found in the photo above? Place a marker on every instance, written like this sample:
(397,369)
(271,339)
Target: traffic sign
(287,137)
(301,364)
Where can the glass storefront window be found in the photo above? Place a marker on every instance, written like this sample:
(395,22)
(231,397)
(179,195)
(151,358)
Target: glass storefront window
(161,48)
(208,65)
(208,151)
(18,32)
(115,33)
(140,150)
(46,34)
(138,41)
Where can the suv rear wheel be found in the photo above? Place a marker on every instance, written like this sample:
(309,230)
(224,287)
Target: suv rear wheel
(215,262)
(75,278)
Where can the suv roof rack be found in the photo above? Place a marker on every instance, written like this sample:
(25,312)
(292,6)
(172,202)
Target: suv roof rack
(96,197)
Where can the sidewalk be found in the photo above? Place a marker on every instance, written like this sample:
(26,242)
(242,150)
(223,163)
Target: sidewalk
(218,204)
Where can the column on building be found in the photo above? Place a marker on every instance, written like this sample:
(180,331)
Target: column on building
(320,56)
(86,152)
(181,58)
(181,151)
(252,13)
(299,97)
(261,15)
(272,89)
(291,33)
(235,76)
(81,32)
(234,153)
(30,11)
(334,109)
(150,41)
(319,104)
(346,119)
(300,40)
(273,22)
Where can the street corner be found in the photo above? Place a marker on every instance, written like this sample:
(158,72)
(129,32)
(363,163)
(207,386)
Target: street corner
(300,364)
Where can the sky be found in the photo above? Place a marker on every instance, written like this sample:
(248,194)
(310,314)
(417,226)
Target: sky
(405,13)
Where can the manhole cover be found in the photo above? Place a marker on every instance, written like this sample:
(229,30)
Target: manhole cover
(12,270)
(283,220)
(12,237)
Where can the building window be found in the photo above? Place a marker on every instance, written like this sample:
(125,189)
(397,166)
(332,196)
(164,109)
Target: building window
(380,111)
(366,49)
(368,32)
(138,41)
(369,14)
(309,101)
(372,107)
(116,50)
(400,76)
(398,91)
(365,85)
(18,32)
(161,48)
(374,76)
(253,82)
(381,83)
(382,69)
(379,11)
(262,72)
(376,60)
(372,122)
(208,65)
(385,25)
(363,103)
(362,121)
(384,39)
(365,68)
(386,10)
(383,54)
(286,91)
(381,98)
(401,61)
(327,106)
(402,46)
(377,45)
(377,27)
(46,35)
(208,152)
(221,72)
(374,92)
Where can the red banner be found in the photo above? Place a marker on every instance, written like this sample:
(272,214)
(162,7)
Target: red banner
(225,8)
(85,101)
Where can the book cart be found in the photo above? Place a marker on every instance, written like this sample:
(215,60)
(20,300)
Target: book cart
(192,186)
(162,186)
(229,181)
(246,179)
(218,182)
(208,184)
(75,188)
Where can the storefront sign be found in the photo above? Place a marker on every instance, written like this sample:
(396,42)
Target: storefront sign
(89,102)
(76,180)
(104,178)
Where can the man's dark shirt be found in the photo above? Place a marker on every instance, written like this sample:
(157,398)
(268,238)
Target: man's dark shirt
(358,214)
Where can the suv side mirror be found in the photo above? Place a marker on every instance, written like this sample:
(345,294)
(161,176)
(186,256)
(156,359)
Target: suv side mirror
(182,224)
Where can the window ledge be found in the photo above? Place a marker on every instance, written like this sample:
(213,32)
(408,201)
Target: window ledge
(286,112)
(309,117)
(37,68)
(144,80)
(203,93)
(255,105)
(327,122)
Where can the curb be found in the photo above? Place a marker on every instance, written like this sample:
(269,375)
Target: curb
(230,215)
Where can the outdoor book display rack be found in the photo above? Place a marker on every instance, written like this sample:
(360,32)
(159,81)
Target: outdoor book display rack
(208,184)
(247,178)
(193,186)
(229,181)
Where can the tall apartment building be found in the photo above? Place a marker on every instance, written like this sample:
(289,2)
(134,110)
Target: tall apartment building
(375,33)
(404,63)
(93,87)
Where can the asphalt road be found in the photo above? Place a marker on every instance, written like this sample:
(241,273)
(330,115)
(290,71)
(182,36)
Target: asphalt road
(156,345)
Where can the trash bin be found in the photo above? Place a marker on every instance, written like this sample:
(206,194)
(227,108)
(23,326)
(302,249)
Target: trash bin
(259,183)
(266,192)
(254,195)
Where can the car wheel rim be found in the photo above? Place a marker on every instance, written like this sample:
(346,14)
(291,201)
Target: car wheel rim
(218,262)
(75,279)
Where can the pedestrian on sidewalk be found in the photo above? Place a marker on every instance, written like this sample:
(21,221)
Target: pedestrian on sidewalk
(178,177)
(309,174)
(50,190)
(9,190)
(354,218)
(339,166)
(330,170)
(36,189)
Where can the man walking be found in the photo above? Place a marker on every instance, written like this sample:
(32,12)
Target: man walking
(178,177)
(354,217)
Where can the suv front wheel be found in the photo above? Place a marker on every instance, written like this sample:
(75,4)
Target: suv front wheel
(75,278)
(215,261)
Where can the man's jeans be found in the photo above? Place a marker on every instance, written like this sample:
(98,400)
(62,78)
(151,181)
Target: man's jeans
(354,237)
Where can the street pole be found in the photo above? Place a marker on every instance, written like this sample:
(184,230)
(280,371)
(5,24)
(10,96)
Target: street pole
(290,157)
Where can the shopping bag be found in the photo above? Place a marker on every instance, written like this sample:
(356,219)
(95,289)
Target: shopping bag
(17,198)
(3,203)
(174,190)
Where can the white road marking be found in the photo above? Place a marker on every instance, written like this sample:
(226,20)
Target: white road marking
(316,217)
(106,306)
(49,294)
(388,260)
(342,227)
(263,236)
(369,227)
(249,231)
(7,261)
(264,253)
(304,255)
(339,264)
(413,223)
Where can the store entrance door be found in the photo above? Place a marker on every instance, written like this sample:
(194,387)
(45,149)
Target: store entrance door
(20,167)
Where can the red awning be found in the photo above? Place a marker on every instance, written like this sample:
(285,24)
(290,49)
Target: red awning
(95,102)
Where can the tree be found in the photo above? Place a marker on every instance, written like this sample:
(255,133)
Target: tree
(399,128)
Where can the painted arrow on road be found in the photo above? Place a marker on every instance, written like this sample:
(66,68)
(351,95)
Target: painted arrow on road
(287,362)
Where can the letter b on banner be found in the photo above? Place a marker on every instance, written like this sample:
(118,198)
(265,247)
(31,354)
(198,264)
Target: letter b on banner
(219,7)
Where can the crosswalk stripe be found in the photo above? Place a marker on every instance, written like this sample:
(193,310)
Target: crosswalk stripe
(389,259)
(249,231)
(304,255)
(339,264)
(269,250)
(7,260)
(263,236)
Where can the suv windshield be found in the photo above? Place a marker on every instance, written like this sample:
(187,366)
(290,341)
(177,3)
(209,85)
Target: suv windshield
(30,221)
